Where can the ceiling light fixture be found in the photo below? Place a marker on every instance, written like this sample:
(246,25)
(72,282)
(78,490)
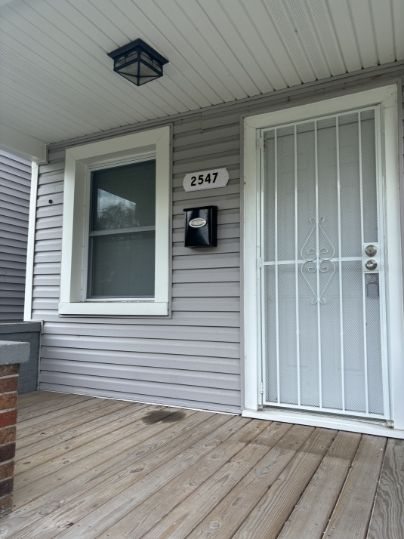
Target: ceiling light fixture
(138,62)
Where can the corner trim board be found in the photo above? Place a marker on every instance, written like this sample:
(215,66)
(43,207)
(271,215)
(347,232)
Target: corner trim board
(29,272)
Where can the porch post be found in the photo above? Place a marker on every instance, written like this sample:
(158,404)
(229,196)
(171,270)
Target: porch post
(11,355)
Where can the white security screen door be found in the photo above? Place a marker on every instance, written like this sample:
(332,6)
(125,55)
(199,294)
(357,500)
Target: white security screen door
(322,307)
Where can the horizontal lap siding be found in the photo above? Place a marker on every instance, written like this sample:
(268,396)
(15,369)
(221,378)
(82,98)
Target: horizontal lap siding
(193,357)
(15,184)
(190,359)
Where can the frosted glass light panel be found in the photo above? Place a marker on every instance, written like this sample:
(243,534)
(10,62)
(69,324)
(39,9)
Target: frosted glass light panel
(321,308)
(122,232)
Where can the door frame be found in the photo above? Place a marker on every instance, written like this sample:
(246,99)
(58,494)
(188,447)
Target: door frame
(386,98)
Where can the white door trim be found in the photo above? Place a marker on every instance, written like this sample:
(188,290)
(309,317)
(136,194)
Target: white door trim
(386,97)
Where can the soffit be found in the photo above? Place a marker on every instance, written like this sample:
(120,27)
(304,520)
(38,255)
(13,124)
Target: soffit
(57,80)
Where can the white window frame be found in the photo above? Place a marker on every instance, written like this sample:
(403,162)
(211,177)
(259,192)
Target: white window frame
(80,162)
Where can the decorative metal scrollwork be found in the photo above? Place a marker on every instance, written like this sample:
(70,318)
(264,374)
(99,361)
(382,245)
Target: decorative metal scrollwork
(320,261)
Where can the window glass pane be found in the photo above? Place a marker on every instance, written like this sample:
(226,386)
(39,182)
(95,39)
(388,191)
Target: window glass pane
(122,231)
(124,196)
(122,265)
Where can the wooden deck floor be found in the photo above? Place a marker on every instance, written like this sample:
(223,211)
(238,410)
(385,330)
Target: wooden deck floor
(100,468)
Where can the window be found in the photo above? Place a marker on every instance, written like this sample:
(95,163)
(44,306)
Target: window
(116,226)
(122,231)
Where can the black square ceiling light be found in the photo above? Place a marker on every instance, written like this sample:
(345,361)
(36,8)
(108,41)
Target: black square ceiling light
(138,62)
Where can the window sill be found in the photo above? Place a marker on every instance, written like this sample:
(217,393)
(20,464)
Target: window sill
(111,308)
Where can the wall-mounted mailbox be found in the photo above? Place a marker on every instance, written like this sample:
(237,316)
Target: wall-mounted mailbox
(201,226)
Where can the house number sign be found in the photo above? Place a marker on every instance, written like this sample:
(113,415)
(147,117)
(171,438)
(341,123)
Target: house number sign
(206,179)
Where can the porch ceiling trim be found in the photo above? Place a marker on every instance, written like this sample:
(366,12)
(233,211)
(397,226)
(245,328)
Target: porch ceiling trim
(380,75)
(219,51)
(21,144)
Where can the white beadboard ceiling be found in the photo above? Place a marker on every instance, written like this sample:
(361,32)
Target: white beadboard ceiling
(57,80)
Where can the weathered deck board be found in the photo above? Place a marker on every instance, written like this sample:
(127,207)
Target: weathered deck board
(101,415)
(107,472)
(268,516)
(98,521)
(113,423)
(114,469)
(351,514)
(65,424)
(35,414)
(79,460)
(387,519)
(76,409)
(140,519)
(227,516)
(181,521)
(144,470)
(28,400)
(323,490)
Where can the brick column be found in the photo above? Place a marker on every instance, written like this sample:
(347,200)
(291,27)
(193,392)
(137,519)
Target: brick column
(11,355)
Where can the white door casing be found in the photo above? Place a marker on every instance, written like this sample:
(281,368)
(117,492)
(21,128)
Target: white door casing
(384,101)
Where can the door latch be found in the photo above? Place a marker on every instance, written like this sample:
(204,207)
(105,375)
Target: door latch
(370,257)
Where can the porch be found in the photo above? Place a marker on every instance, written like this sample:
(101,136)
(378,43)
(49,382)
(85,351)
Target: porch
(88,467)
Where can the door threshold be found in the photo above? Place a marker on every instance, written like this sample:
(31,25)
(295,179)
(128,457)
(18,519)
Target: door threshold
(329,422)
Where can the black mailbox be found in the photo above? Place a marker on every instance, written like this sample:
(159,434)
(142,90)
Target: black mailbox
(201,226)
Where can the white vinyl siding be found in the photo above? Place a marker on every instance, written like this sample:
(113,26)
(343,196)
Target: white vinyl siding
(15,180)
(193,357)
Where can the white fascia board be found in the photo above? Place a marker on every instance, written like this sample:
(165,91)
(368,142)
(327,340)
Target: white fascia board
(23,145)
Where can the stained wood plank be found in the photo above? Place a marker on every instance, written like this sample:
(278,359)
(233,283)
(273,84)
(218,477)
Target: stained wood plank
(107,471)
(100,470)
(40,409)
(183,519)
(33,426)
(143,517)
(351,515)
(28,485)
(112,422)
(72,402)
(50,431)
(32,400)
(271,511)
(112,410)
(227,516)
(142,461)
(109,513)
(387,519)
(322,491)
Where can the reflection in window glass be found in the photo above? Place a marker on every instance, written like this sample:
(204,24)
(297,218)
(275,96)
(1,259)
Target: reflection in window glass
(124,196)
(122,232)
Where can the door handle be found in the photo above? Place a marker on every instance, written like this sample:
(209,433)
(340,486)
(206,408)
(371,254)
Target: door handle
(371,264)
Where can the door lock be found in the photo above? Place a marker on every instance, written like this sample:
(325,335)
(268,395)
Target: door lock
(371,264)
(371,250)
